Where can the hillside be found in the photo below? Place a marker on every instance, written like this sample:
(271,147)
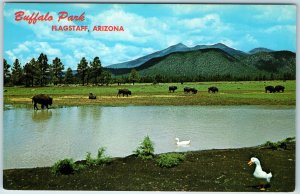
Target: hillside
(141,60)
(260,49)
(216,64)
(200,63)
(175,48)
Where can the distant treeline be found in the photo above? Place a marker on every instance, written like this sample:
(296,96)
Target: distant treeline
(39,72)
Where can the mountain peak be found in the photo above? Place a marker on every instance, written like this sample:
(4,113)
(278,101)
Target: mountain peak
(220,44)
(260,49)
(179,45)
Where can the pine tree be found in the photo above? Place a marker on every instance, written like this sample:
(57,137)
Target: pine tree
(30,72)
(6,72)
(69,77)
(82,70)
(106,77)
(134,76)
(56,70)
(95,70)
(43,69)
(17,73)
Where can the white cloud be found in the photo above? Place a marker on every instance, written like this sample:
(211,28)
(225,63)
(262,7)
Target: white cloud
(277,13)
(32,49)
(249,38)
(137,29)
(278,28)
(210,21)
(183,9)
(90,48)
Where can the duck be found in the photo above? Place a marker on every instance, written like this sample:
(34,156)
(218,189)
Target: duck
(259,173)
(182,143)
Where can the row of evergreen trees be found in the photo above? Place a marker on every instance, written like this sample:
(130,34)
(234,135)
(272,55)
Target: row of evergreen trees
(38,72)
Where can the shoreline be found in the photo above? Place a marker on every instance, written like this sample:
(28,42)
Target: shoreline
(226,170)
(156,155)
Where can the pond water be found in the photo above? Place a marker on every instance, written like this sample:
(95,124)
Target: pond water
(40,138)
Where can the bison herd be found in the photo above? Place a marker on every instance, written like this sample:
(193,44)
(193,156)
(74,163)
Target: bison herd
(46,100)
(273,89)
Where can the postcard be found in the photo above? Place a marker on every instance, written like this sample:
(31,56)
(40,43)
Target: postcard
(105,96)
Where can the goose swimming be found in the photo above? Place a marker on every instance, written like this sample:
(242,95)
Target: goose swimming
(182,142)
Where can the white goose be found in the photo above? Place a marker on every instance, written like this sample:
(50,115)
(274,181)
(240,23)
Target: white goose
(182,143)
(259,173)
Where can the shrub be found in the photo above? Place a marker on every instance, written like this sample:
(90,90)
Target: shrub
(170,160)
(280,144)
(101,158)
(146,149)
(66,166)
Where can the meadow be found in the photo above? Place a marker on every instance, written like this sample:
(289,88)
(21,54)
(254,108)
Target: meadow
(230,93)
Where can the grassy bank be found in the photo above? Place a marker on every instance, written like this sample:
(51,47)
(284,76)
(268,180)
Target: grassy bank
(210,170)
(230,93)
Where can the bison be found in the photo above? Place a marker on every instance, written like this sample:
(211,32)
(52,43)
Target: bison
(42,99)
(172,88)
(213,89)
(271,89)
(279,88)
(92,96)
(188,90)
(124,92)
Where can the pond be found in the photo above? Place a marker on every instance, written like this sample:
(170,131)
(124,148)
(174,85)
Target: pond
(40,138)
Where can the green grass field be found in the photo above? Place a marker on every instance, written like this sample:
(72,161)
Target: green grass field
(230,93)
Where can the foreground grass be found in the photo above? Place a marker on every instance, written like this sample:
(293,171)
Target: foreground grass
(230,93)
(209,170)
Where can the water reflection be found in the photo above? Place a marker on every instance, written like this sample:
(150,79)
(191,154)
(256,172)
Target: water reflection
(70,132)
(40,116)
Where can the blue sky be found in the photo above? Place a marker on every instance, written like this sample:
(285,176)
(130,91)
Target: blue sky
(147,28)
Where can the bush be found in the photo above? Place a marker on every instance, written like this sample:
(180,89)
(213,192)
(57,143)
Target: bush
(280,144)
(101,158)
(65,167)
(146,149)
(170,160)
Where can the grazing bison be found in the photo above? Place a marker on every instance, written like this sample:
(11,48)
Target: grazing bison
(188,90)
(92,96)
(213,89)
(271,89)
(172,88)
(194,91)
(42,99)
(279,88)
(124,92)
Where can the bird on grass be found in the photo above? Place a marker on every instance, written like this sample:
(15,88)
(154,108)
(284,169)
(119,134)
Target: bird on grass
(182,143)
(260,174)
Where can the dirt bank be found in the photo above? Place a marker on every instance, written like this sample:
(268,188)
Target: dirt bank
(210,170)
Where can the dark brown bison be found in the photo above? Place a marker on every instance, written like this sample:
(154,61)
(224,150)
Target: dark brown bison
(213,89)
(188,90)
(279,88)
(124,92)
(271,89)
(92,96)
(172,88)
(42,99)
